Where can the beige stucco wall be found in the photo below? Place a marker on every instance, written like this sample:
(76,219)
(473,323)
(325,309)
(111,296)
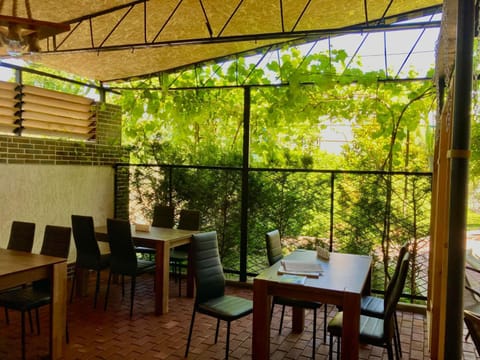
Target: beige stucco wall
(50,194)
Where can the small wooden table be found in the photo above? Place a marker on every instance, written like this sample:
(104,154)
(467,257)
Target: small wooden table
(345,278)
(18,268)
(162,239)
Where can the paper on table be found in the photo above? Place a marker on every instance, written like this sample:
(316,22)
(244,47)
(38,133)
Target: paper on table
(293,279)
(309,269)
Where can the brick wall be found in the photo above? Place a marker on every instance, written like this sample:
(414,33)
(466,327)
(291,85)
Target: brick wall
(105,151)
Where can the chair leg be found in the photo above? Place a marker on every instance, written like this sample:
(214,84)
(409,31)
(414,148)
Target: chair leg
(74,278)
(123,286)
(97,289)
(227,347)
(330,348)
(314,332)
(190,332)
(179,268)
(30,321)
(23,335)
(390,351)
(37,316)
(132,294)
(397,332)
(339,346)
(281,320)
(216,330)
(325,311)
(108,290)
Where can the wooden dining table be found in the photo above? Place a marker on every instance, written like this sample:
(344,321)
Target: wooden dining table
(344,279)
(18,268)
(161,239)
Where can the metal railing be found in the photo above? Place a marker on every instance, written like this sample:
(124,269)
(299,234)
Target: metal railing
(364,212)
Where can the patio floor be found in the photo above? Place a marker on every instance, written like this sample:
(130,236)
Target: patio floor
(110,335)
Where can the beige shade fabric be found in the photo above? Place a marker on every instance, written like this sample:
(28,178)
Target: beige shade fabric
(119,39)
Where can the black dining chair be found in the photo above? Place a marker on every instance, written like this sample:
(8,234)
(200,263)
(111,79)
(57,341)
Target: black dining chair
(274,254)
(21,238)
(472,321)
(123,258)
(375,306)
(210,296)
(88,252)
(189,220)
(22,235)
(373,330)
(56,242)
(163,216)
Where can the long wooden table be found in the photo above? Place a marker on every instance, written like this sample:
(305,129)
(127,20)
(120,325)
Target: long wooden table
(17,268)
(345,278)
(162,239)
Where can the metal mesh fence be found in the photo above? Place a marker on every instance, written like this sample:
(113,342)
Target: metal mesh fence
(357,212)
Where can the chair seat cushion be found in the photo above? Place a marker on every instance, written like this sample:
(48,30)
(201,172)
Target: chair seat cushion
(24,299)
(371,328)
(280,300)
(226,307)
(372,306)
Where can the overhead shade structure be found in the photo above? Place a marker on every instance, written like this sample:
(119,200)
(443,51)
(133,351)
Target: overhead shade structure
(118,39)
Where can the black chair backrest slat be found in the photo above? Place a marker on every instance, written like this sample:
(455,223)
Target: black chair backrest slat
(274,247)
(123,259)
(209,276)
(22,235)
(88,253)
(189,220)
(163,216)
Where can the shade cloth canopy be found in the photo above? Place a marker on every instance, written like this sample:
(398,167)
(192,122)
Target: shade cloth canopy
(119,39)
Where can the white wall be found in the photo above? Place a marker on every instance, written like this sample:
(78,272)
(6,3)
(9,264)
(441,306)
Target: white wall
(50,194)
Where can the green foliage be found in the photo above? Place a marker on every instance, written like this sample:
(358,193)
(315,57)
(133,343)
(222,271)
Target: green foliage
(390,130)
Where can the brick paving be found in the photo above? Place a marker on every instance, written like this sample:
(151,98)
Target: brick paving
(111,335)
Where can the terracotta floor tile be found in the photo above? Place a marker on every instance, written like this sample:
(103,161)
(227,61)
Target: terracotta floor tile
(96,334)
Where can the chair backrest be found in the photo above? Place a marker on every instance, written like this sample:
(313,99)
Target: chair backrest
(189,220)
(123,259)
(396,292)
(472,321)
(209,277)
(88,253)
(21,236)
(56,241)
(392,281)
(274,246)
(163,216)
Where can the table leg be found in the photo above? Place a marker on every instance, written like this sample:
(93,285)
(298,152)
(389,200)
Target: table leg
(190,277)
(162,261)
(58,312)
(351,326)
(298,320)
(261,321)
(81,280)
